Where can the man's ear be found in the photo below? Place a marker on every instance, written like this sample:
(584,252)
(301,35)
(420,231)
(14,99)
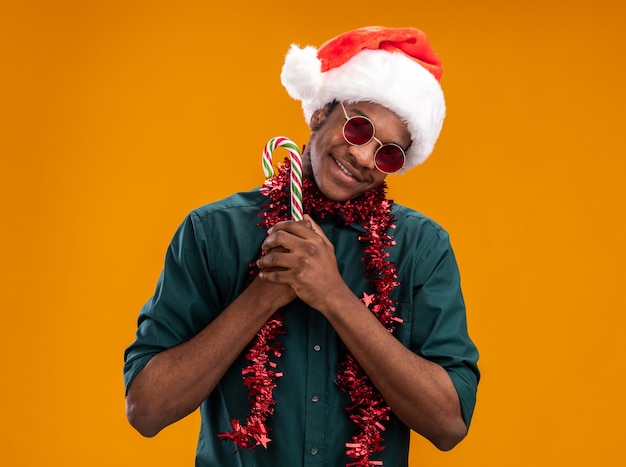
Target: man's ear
(319,116)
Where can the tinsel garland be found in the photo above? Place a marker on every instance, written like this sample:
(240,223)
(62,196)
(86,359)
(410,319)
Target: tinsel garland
(367,408)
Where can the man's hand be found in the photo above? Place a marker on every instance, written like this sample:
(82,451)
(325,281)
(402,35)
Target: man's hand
(276,293)
(300,255)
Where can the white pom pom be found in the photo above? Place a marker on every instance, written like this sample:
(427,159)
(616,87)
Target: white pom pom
(301,75)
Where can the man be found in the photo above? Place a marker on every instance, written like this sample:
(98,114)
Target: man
(323,341)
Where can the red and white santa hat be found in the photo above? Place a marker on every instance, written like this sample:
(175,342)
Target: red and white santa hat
(393,67)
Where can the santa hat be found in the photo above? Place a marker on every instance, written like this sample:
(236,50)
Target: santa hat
(393,67)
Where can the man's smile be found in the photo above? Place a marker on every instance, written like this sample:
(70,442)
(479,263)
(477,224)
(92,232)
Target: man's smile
(344,169)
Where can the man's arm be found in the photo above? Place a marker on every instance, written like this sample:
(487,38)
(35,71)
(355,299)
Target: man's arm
(177,380)
(419,391)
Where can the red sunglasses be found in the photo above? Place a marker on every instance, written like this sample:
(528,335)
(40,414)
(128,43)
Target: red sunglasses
(359,130)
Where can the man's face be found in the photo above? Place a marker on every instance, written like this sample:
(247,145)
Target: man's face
(342,171)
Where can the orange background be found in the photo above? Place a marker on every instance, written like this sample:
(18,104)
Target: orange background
(118,117)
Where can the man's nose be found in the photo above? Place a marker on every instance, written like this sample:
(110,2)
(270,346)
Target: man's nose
(364,154)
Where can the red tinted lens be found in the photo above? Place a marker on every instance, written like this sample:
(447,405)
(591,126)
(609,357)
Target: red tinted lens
(389,158)
(358,130)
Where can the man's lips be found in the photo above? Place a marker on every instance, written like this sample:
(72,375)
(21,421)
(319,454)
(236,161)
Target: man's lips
(349,171)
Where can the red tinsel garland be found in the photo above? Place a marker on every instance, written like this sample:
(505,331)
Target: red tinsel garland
(367,409)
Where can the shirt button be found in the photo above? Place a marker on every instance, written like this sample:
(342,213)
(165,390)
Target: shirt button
(317,348)
(313,451)
(315,399)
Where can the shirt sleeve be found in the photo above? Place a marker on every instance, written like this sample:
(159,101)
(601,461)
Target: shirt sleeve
(183,302)
(440,324)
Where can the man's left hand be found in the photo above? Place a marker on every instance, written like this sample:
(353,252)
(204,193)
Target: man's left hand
(300,254)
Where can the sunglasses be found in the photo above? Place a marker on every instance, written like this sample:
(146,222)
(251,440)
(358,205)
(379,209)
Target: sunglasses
(359,130)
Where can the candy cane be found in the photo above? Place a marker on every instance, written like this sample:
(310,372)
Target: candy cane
(296,170)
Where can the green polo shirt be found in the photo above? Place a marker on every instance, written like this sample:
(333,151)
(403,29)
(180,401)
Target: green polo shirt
(207,267)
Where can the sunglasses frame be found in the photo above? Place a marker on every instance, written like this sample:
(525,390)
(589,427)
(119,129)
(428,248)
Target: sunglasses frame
(373,137)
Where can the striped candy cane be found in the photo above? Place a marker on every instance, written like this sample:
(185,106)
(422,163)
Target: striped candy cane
(296,170)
